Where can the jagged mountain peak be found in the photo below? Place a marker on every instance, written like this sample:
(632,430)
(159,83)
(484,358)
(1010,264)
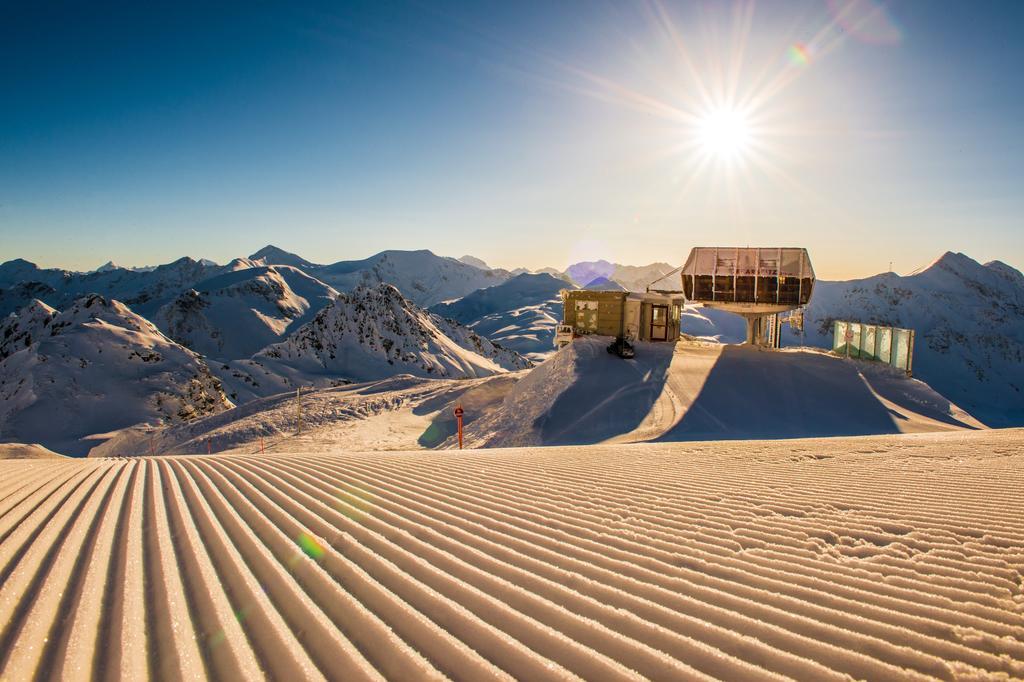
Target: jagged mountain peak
(373,331)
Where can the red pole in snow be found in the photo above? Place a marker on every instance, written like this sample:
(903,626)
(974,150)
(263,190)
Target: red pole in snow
(458,419)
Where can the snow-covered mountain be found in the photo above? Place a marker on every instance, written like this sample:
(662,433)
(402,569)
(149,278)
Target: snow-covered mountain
(604,284)
(272,255)
(19,295)
(143,290)
(969,325)
(475,262)
(520,314)
(370,333)
(598,274)
(422,277)
(236,314)
(67,378)
(20,270)
(19,331)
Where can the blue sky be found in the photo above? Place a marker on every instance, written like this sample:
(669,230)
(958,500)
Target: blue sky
(527,134)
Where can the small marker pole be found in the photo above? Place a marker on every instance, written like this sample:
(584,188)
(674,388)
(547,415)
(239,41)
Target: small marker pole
(152,450)
(209,447)
(261,445)
(458,419)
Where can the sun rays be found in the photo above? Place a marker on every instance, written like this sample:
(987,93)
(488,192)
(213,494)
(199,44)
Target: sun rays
(727,102)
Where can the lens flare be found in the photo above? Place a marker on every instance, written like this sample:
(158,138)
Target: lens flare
(310,546)
(799,55)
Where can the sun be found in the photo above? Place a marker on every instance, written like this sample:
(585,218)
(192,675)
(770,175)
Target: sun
(724,134)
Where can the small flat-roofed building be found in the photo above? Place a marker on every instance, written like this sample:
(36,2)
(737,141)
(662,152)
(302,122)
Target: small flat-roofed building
(634,316)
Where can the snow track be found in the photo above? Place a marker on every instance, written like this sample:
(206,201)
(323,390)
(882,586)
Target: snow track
(896,557)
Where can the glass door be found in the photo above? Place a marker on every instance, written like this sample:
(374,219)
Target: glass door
(659,322)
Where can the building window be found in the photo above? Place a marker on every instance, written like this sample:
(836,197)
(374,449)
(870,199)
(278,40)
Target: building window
(586,316)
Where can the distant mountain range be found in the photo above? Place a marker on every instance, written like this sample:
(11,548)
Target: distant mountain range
(520,313)
(273,321)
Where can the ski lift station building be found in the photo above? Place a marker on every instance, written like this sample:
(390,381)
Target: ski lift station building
(635,316)
(756,283)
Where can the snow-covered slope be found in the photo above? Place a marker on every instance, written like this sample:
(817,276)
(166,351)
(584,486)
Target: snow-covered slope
(879,558)
(969,323)
(238,313)
(27,451)
(704,391)
(521,290)
(520,314)
(402,412)
(422,277)
(91,369)
(370,333)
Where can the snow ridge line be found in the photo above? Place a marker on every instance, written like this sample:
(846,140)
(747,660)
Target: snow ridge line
(624,562)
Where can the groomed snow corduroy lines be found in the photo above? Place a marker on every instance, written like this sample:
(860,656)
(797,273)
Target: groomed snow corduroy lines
(876,558)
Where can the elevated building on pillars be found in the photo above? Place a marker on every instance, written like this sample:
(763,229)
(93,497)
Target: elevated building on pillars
(756,283)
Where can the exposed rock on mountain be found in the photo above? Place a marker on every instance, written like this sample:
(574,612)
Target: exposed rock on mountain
(67,378)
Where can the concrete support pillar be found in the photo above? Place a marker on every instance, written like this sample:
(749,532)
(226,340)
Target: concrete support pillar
(757,329)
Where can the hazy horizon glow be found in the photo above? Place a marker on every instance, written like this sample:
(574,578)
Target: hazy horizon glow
(526,135)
